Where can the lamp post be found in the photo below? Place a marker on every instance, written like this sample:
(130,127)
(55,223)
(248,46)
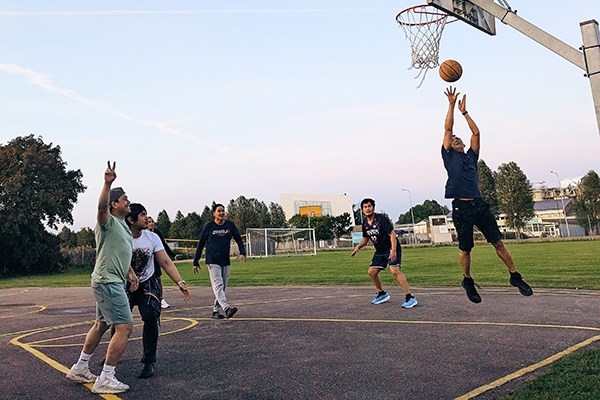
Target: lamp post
(563,203)
(412,215)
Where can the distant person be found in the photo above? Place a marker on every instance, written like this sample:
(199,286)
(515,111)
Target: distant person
(157,270)
(111,272)
(216,236)
(148,254)
(379,230)
(468,208)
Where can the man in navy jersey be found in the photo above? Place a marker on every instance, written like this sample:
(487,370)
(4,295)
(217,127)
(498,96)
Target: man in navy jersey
(468,208)
(379,230)
(216,236)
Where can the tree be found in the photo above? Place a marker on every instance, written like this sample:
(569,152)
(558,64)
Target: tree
(358,216)
(192,224)
(67,237)
(207,214)
(422,212)
(342,225)
(178,226)
(587,202)
(85,237)
(163,223)
(514,195)
(36,191)
(487,187)
(277,216)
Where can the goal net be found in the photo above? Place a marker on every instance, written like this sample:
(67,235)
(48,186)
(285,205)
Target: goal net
(269,242)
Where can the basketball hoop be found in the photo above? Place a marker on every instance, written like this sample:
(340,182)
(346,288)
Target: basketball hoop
(423,26)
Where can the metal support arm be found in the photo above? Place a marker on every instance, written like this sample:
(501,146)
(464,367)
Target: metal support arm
(511,19)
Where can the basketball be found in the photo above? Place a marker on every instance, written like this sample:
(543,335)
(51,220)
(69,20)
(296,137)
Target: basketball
(450,71)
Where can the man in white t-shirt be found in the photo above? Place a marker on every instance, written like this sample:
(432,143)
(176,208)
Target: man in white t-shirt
(147,246)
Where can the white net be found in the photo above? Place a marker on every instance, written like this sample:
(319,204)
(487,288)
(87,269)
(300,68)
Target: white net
(269,242)
(423,26)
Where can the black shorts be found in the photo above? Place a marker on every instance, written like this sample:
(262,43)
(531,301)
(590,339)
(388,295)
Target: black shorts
(469,213)
(381,260)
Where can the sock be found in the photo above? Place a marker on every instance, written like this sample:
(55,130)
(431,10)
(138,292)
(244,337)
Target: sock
(83,361)
(515,274)
(108,370)
(409,296)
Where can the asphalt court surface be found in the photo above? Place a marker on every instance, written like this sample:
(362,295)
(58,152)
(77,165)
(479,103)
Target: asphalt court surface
(303,343)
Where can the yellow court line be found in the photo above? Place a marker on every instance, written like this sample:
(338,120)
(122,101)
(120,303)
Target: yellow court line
(414,322)
(40,309)
(526,370)
(64,369)
(14,294)
(37,343)
(61,368)
(48,328)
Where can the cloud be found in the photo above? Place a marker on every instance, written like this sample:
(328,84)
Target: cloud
(44,81)
(103,13)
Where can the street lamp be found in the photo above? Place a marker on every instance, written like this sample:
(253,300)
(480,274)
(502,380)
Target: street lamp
(563,203)
(412,215)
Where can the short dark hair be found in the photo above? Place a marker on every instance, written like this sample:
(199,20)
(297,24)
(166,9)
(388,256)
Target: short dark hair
(135,209)
(366,201)
(214,207)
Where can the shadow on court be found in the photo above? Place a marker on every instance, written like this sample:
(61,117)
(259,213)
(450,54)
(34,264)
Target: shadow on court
(303,343)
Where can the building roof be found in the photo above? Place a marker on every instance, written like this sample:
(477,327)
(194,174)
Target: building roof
(549,204)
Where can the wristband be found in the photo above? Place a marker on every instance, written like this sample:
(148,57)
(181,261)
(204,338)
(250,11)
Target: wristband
(180,282)
(465,113)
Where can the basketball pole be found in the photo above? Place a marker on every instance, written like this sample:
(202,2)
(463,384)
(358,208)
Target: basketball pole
(588,60)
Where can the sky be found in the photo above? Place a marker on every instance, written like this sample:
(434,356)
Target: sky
(201,101)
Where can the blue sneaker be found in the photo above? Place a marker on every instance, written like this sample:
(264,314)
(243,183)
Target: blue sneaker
(410,303)
(382,297)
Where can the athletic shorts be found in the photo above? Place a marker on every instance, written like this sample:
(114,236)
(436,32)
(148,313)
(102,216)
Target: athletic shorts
(382,260)
(112,304)
(469,213)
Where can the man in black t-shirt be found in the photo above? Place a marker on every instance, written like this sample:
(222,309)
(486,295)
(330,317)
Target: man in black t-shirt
(468,207)
(379,230)
(216,236)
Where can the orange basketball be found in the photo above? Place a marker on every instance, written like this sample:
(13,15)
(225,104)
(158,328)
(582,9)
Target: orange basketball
(450,71)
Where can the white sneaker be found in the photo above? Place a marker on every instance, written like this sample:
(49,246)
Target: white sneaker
(164,304)
(109,384)
(81,375)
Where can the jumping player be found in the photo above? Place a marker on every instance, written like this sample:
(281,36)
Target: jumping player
(468,208)
(378,228)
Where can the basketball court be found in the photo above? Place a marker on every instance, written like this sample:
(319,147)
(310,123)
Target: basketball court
(304,342)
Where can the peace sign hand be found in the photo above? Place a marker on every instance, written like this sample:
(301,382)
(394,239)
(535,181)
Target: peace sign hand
(110,175)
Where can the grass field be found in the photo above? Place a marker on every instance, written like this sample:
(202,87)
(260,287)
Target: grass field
(565,264)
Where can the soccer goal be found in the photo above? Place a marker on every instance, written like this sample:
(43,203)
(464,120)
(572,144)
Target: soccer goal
(269,242)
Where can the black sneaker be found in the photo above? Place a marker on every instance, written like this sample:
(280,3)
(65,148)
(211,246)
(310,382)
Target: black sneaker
(469,285)
(517,280)
(217,315)
(230,311)
(147,371)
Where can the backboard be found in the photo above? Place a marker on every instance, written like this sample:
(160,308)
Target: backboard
(468,12)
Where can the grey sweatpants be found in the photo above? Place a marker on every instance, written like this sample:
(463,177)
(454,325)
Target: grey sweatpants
(219,275)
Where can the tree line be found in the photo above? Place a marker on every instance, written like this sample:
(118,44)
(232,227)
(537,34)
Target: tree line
(38,192)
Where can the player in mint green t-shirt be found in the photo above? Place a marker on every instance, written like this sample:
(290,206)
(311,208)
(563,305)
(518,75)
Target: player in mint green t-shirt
(111,272)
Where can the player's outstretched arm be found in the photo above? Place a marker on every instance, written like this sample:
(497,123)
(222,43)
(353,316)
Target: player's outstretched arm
(360,245)
(449,121)
(462,107)
(104,201)
(165,263)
